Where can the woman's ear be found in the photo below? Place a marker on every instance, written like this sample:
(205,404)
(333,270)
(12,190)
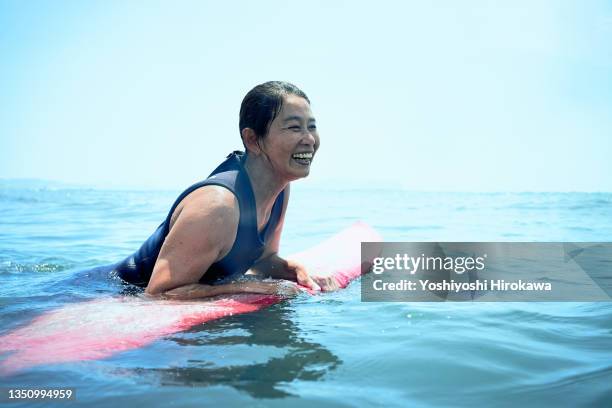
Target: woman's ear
(250,140)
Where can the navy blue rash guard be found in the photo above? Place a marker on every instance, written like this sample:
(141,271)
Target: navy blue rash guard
(247,248)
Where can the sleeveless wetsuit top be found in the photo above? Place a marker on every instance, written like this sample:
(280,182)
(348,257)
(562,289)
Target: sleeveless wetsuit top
(248,246)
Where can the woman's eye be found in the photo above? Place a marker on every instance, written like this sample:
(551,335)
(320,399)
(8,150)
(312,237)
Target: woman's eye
(312,127)
(295,128)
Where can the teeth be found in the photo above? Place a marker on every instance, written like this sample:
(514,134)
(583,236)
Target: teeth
(302,156)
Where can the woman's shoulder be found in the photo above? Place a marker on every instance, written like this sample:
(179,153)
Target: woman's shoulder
(210,204)
(212,199)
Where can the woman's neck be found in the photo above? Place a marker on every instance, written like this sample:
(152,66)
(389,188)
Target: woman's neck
(265,182)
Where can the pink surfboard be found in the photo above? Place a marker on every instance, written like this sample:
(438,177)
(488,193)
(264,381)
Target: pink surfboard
(101,328)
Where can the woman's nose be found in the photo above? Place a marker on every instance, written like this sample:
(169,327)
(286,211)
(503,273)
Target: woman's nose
(309,138)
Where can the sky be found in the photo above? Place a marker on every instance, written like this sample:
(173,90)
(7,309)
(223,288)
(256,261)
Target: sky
(420,95)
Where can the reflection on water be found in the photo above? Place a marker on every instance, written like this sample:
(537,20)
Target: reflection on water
(269,335)
(257,353)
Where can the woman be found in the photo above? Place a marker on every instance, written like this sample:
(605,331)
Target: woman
(231,223)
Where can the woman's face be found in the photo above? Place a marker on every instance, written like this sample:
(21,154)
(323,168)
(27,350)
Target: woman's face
(292,140)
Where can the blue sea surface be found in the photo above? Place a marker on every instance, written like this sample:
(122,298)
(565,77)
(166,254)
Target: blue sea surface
(333,349)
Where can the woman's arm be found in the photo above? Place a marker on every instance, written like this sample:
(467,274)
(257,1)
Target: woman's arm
(203,232)
(198,290)
(271,265)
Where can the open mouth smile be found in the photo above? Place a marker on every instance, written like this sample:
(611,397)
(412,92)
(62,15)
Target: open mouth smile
(303,158)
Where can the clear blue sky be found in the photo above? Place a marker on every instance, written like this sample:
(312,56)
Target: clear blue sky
(440,95)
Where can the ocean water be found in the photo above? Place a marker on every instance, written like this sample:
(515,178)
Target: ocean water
(331,350)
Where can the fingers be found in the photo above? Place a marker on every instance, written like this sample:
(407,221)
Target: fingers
(327,284)
(305,280)
(316,283)
(313,285)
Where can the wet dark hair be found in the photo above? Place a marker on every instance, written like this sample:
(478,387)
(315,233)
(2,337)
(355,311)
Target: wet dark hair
(263,103)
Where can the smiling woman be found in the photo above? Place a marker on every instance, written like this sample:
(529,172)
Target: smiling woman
(230,224)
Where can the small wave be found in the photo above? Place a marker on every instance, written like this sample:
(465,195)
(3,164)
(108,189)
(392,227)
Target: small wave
(7,198)
(10,267)
(580,228)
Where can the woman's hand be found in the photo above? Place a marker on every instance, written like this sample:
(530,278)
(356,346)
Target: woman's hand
(303,278)
(316,283)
